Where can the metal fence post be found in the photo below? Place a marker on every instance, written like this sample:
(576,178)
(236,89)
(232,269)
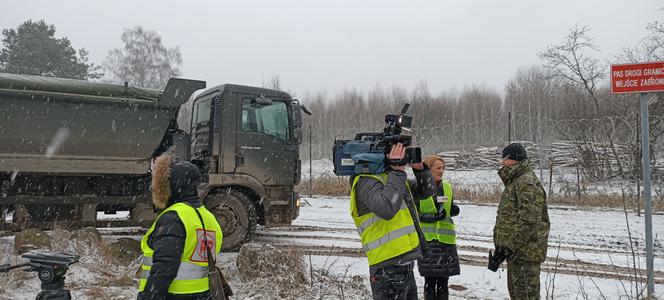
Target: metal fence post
(645,144)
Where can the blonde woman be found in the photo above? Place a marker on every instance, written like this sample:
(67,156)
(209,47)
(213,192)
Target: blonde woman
(435,214)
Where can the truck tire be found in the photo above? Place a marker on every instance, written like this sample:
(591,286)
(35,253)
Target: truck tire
(143,214)
(236,215)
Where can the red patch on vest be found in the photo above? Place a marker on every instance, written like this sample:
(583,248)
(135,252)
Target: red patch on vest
(200,252)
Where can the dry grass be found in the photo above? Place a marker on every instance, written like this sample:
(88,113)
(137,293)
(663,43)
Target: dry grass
(608,201)
(285,268)
(97,275)
(14,278)
(329,284)
(478,195)
(85,242)
(339,186)
(96,292)
(491,195)
(325,185)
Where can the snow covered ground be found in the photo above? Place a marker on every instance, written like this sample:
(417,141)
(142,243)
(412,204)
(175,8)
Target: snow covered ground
(479,283)
(591,243)
(593,257)
(589,249)
(319,167)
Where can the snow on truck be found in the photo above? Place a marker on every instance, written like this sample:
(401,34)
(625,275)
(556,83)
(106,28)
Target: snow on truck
(71,148)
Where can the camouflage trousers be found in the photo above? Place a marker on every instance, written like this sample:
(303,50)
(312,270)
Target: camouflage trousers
(523,280)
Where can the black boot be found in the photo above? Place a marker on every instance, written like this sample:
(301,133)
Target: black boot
(442,293)
(430,289)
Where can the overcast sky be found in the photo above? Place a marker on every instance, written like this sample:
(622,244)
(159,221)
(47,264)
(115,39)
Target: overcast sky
(332,45)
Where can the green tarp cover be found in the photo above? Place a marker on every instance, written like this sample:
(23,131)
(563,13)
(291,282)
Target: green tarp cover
(20,82)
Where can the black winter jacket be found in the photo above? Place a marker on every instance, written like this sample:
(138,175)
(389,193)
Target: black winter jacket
(442,260)
(167,240)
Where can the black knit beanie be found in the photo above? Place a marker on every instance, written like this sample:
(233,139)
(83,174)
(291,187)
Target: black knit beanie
(515,151)
(185,178)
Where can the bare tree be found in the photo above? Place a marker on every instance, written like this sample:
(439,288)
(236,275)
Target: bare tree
(424,113)
(144,61)
(569,60)
(532,95)
(274,83)
(650,48)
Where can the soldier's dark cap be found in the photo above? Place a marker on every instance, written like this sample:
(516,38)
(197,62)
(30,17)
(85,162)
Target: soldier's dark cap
(515,151)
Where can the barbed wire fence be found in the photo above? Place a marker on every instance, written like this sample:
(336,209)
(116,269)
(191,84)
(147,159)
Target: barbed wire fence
(477,144)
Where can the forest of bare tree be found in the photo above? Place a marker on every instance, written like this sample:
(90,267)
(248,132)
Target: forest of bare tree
(566,98)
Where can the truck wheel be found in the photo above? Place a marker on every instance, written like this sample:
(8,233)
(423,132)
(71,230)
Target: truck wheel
(143,214)
(236,215)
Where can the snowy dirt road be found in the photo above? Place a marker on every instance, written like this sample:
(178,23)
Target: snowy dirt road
(589,256)
(589,250)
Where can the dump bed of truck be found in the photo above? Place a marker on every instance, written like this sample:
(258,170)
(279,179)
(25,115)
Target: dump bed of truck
(65,126)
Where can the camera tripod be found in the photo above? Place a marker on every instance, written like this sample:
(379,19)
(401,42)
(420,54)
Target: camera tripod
(51,269)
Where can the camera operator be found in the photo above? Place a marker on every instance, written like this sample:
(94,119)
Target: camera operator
(383,210)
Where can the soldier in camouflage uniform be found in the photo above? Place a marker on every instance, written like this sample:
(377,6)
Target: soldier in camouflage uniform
(522,223)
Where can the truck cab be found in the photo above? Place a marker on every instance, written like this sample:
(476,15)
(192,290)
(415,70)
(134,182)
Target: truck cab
(246,142)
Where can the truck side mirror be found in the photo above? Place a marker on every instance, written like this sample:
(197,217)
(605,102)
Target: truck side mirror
(296,114)
(305,110)
(296,121)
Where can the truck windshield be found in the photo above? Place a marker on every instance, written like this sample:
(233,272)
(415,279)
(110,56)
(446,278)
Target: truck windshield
(271,119)
(202,111)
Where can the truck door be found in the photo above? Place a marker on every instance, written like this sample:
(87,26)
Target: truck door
(200,132)
(226,130)
(264,147)
(213,133)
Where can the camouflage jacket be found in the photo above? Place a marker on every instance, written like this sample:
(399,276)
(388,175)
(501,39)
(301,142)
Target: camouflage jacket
(522,220)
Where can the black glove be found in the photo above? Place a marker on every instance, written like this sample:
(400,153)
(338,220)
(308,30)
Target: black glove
(497,258)
(441,214)
(455,210)
(427,218)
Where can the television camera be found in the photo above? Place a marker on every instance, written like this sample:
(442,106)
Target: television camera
(366,153)
(51,269)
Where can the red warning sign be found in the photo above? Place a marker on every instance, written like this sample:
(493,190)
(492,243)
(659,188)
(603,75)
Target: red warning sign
(637,78)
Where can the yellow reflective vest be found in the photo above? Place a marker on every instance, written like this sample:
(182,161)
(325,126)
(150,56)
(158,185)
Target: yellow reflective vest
(444,230)
(192,275)
(384,239)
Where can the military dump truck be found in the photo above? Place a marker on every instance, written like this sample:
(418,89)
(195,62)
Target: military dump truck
(71,148)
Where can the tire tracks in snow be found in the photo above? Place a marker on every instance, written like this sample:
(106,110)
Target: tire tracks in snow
(292,232)
(311,239)
(563,266)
